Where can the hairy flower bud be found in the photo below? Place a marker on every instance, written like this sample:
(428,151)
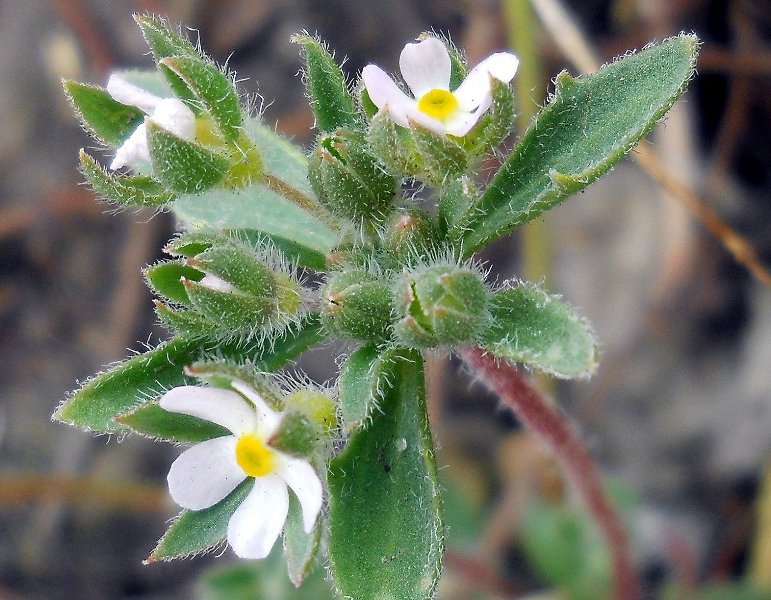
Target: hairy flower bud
(411,234)
(349,179)
(357,305)
(440,304)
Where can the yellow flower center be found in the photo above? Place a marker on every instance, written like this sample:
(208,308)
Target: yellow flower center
(254,457)
(438,104)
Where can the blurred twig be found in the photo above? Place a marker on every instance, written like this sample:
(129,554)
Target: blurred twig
(114,495)
(480,575)
(576,48)
(94,44)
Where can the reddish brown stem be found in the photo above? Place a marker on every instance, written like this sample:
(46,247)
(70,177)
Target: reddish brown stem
(578,465)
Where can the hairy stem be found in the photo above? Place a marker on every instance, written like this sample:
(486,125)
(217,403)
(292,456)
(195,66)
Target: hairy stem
(282,188)
(578,465)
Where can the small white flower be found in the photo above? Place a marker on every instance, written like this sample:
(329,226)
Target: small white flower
(206,473)
(425,67)
(169,113)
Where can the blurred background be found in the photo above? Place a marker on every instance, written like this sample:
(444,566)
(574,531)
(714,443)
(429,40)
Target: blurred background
(679,415)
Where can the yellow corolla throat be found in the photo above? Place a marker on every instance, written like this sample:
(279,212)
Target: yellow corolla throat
(438,104)
(254,457)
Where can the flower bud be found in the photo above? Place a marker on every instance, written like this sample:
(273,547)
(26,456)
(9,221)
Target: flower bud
(411,234)
(357,305)
(315,405)
(441,304)
(349,179)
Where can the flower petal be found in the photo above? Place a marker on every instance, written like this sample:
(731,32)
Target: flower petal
(134,151)
(222,407)
(384,92)
(175,117)
(464,122)
(266,418)
(206,473)
(305,483)
(257,523)
(416,117)
(128,93)
(425,66)
(475,89)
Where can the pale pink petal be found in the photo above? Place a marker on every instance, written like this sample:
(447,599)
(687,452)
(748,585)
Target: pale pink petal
(127,93)
(222,407)
(215,283)
(266,419)
(302,478)
(174,116)
(425,66)
(475,89)
(385,94)
(257,523)
(134,151)
(206,473)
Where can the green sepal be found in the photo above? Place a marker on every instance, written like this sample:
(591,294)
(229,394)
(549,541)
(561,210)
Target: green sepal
(240,266)
(393,145)
(534,328)
(365,102)
(454,200)
(102,115)
(165,279)
(127,190)
(212,88)
(185,322)
(385,526)
(357,305)
(497,124)
(165,43)
(232,310)
(363,381)
(300,548)
(331,100)
(440,304)
(590,124)
(196,531)
(181,165)
(442,159)
(296,435)
(191,243)
(154,422)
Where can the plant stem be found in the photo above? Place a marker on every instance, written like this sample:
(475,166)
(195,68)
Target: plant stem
(282,188)
(578,465)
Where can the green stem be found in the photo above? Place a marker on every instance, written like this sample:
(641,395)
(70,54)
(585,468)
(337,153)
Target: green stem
(282,188)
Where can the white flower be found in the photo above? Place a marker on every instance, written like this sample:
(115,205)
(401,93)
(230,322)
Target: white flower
(206,473)
(169,113)
(425,67)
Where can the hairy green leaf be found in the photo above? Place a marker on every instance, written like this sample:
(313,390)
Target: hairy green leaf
(588,126)
(128,190)
(300,548)
(534,328)
(386,532)
(363,380)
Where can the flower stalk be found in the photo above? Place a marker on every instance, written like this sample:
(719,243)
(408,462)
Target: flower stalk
(578,465)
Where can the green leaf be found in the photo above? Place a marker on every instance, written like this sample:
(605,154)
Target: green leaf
(532,327)
(128,385)
(292,251)
(196,531)
(212,88)
(385,528)
(165,279)
(105,117)
(331,100)
(151,420)
(130,190)
(143,378)
(183,166)
(363,380)
(300,548)
(589,125)
(257,207)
